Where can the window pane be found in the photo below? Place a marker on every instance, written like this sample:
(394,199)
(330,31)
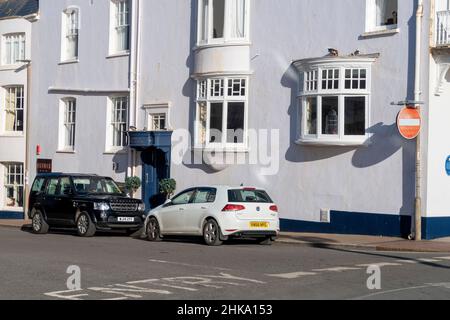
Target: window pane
(311,116)
(218,18)
(235,127)
(216,122)
(387,12)
(204,21)
(330,115)
(355,116)
(202,118)
(236,10)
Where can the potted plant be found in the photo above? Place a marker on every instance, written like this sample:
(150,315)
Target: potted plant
(167,187)
(132,184)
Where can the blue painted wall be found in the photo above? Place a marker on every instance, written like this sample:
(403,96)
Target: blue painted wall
(8,215)
(370,224)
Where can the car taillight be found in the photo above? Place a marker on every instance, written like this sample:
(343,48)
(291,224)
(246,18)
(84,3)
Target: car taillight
(233,208)
(274,208)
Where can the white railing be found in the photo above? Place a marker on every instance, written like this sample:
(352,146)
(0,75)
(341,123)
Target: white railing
(443,28)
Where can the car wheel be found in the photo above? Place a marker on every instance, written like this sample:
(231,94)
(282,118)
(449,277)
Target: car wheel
(153,230)
(85,226)
(266,241)
(40,226)
(211,233)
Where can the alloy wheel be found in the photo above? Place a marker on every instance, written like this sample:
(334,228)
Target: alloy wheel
(37,222)
(83,224)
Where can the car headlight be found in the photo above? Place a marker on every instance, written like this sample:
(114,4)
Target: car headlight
(101,206)
(141,207)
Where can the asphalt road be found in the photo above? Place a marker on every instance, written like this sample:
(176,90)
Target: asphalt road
(117,267)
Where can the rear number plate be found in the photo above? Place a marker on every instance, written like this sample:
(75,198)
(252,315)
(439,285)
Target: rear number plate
(259,225)
(125,219)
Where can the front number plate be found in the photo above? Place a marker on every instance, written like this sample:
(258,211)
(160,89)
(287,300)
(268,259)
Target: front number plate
(259,225)
(125,219)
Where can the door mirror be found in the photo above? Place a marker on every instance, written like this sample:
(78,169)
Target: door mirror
(67,192)
(168,203)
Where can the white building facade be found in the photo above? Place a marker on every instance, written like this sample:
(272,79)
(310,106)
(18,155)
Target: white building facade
(16,19)
(297,93)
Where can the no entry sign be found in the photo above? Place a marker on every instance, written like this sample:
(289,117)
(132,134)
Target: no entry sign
(409,123)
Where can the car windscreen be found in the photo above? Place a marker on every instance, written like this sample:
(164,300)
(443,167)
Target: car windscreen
(95,185)
(248,196)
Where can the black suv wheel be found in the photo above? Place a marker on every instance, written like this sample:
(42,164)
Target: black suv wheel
(40,226)
(85,226)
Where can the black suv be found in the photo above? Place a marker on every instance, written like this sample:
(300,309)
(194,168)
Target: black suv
(87,202)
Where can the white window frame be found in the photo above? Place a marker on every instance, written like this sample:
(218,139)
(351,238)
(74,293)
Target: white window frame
(9,57)
(70,29)
(18,105)
(119,20)
(67,124)
(371,19)
(114,125)
(225,99)
(18,175)
(319,138)
(207,26)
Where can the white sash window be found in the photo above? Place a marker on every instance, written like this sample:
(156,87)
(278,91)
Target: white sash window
(14,48)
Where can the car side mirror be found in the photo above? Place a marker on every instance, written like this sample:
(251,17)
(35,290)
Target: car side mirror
(168,203)
(67,192)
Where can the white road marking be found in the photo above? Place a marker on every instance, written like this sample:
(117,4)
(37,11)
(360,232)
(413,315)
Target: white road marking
(59,295)
(443,258)
(337,269)
(188,265)
(429,260)
(155,282)
(379,264)
(407,261)
(293,275)
(429,285)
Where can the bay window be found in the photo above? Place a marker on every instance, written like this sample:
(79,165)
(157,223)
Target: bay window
(222,20)
(334,100)
(222,113)
(13,48)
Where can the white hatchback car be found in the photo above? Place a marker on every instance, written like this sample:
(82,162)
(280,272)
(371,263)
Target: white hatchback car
(217,213)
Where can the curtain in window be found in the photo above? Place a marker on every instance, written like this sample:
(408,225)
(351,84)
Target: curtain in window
(381,12)
(11,98)
(236,17)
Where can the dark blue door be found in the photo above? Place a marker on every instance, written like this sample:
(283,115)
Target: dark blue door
(155,167)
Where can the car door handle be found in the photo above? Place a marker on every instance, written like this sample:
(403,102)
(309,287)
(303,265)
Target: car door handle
(204,208)
(181,209)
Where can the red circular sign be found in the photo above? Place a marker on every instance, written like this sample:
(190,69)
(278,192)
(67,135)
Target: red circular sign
(409,123)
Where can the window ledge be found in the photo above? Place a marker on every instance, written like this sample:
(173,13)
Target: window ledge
(379,33)
(10,67)
(115,151)
(118,54)
(66,151)
(333,142)
(230,43)
(71,61)
(12,209)
(220,150)
(12,135)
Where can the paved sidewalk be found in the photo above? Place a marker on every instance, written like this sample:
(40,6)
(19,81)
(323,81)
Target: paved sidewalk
(365,242)
(354,242)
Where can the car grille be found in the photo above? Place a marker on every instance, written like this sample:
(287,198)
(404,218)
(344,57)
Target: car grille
(124,206)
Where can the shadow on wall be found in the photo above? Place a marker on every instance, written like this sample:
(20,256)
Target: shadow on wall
(385,141)
(120,163)
(189,91)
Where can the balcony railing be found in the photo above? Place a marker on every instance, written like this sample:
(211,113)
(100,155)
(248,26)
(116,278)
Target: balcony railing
(443,28)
